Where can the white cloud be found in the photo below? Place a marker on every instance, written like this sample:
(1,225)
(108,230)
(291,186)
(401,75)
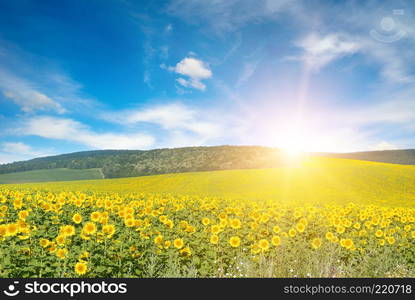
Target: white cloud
(191,83)
(180,122)
(168,28)
(321,50)
(247,71)
(169,116)
(354,23)
(35,83)
(17,148)
(164,52)
(17,151)
(22,93)
(147,78)
(193,68)
(70,130)
(229,15)
(394,59)
(30,100)
(384,146)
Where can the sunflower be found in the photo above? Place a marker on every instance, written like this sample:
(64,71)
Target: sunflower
(170,224)
(215,229)
(340,229)
(254,225)
(23,214)
(205,221)
(186,252)
(84,255)
(182,224)
(298,214)
(292,232)
(276,229)
(12,229)
(316,243)
(190,229)
(90,228)
(255,249)
(81,268)
(44,242)
(300,227)
(223,223)
(235,241)
(329,235)
(60,240)
(263,244)
(137,223)
(109,230)
(214,239)
(346,243)
(178,243)
(67,230)
(95,216)
(391,240)
(129,222)
(77,218)
(223,216)
(158,239)
(52,247)
(379,233)
(276,240)
(61,253)
(235,223)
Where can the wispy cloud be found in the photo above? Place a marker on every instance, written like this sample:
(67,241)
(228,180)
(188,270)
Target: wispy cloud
(37,88)
(247,71)
(25,95)
(224,16)
(179,121)
(74,131)
(321,50)
(384,146)
(19,148)
(168,29)
(16,151)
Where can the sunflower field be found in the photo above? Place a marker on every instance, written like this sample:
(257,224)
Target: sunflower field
(88,234)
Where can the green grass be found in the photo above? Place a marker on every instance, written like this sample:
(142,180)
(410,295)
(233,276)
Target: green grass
(318,180)
(50,175)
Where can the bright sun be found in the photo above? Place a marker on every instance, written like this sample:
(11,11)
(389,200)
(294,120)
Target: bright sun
(292,142)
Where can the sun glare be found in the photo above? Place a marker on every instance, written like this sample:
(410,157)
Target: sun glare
(292,143)
(293,151)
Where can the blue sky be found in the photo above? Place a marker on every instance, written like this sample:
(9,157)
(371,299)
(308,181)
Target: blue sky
(303,75)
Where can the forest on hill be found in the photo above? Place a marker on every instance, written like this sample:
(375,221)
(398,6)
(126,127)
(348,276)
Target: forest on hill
(128,163)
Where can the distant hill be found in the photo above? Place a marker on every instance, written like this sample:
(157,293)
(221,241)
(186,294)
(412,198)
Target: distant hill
(402,157)
(131,163)
(50,175)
